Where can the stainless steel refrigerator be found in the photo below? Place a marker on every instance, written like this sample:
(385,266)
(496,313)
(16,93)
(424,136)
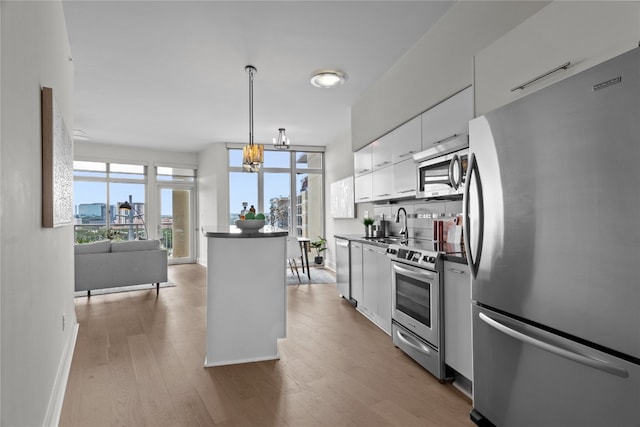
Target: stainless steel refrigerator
(552,219)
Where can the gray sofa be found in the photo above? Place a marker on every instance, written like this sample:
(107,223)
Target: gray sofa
(108,264)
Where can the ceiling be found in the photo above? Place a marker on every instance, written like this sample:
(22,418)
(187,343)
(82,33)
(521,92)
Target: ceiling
(170,75)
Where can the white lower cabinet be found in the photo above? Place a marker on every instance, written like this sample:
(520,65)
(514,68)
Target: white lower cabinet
(376,304)
(355,270)
(457,318)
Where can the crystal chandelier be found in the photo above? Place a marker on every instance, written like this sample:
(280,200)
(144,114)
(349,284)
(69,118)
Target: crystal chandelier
(252,154)
(282,142)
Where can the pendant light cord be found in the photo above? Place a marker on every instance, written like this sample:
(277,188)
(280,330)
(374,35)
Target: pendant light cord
(250,69)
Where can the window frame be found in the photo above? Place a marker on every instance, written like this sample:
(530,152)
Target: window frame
(293,171)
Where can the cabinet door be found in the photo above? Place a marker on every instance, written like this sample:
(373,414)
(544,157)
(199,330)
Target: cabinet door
(363,188)
(370,288)
(355,265)
(404,179)
(582,33)
(450,117)
(457,318)
(383,269)
(381,152)
(382,183)
(362,161)
(406,140)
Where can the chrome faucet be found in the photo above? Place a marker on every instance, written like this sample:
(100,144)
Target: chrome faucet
(403,230)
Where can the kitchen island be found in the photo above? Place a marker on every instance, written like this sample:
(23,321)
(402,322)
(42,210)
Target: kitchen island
(246,298)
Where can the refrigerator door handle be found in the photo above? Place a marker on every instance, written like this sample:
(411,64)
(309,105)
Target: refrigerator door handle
(472,170)
(571,355)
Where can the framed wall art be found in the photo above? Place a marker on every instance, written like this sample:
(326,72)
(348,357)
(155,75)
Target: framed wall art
(57,165)
(342,199)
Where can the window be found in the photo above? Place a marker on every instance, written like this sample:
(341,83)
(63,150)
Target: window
(288,189)
(100,191)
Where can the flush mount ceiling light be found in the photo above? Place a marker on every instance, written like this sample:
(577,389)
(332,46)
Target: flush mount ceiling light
(282,142)
(328,78)
(252,154)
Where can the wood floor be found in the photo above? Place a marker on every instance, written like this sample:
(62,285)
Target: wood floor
(139,362)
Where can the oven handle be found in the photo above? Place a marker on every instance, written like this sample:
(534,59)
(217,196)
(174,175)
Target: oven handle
(411,342)
(416,274)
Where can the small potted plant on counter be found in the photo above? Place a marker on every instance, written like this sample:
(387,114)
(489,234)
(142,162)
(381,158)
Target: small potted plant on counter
(368,226)
(318,245)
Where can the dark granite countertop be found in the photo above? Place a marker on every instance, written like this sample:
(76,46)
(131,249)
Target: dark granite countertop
(451,252)
(228,232)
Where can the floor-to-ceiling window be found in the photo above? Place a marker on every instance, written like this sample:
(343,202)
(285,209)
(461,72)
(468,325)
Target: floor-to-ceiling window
(109,201)
(287,189)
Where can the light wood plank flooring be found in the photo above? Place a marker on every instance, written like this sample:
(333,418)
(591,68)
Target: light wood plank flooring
(139,362)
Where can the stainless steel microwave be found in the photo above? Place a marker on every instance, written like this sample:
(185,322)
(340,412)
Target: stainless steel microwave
(441,172)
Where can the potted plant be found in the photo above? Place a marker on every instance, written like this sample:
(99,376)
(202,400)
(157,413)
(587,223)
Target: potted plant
(318,245)
(368,226)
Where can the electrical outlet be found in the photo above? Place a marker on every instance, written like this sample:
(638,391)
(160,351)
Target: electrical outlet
(64,321)
(366,214)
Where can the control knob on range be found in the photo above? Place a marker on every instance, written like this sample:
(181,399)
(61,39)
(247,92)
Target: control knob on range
(391,251)
(430,259)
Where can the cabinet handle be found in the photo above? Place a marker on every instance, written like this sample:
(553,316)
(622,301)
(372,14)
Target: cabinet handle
(383,195)
(407,191)
(363,171)
(409,153)
(363,198)
(453,270)
(383,163)
(455,135)
(368,249)
(541,76)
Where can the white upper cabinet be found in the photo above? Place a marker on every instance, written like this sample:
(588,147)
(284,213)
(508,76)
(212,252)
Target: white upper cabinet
(362,161)
(363,185)
(581,34)
(382,149)
(382,183)
(404,179)
(406,140)
(448,119)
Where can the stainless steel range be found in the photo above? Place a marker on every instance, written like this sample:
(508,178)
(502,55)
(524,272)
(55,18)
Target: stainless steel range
(416,304)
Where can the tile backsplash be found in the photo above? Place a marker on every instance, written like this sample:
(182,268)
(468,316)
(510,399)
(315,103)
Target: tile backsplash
(419,221)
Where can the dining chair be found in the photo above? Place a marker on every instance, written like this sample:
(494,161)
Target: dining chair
(293,253)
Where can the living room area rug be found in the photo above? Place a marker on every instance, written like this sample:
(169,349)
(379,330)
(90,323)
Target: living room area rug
(148,286)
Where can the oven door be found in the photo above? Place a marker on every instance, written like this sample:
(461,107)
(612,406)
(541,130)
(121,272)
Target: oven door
(415,300)
(443,176)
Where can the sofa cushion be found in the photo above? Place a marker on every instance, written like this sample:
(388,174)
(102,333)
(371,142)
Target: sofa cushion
(102,246)
(135,245)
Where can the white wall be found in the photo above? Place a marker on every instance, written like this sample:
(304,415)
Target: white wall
(339,165)
(213,200)
(37,263)
(439,65)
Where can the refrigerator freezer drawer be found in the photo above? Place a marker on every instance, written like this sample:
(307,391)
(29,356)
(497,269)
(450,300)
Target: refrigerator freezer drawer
(524,376)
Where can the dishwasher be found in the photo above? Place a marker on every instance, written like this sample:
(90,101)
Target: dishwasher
(343,280)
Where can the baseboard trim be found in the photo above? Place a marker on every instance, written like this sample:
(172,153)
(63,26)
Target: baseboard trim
(54,409)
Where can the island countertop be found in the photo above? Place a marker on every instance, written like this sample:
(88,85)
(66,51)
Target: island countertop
(227,231)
